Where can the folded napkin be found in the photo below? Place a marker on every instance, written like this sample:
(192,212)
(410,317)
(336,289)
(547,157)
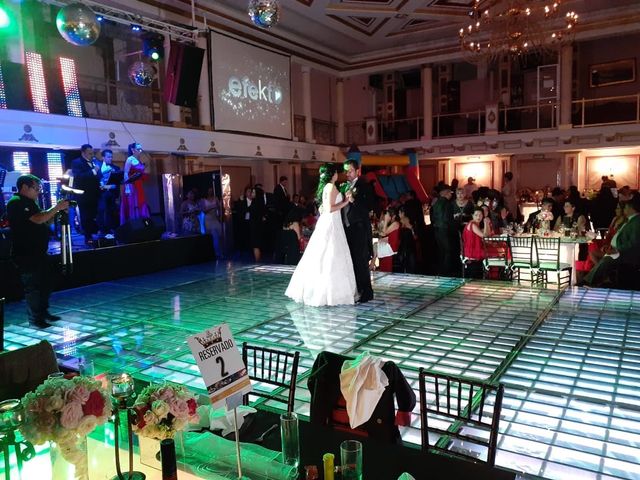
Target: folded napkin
(362,383)
(210,456)
(220,418)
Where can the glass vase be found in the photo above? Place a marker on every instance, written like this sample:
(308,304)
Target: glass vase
(69,460)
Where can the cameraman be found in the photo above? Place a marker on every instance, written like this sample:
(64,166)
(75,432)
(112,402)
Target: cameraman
(30,242)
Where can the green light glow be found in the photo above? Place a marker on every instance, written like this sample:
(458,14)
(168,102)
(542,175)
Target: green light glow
(155,56)
(4,18)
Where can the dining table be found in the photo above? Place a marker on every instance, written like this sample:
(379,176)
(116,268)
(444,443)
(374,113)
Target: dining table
(381,460)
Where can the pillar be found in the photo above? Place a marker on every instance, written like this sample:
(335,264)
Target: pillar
(427,102)
(566,80)
(306,103)
(340,133)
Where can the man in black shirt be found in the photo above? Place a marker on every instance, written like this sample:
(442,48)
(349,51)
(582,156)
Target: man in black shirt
(30,241)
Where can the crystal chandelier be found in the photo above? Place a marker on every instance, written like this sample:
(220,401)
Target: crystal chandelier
(515,27)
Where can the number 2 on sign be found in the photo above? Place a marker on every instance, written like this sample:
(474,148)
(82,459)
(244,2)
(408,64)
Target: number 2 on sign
(223,372)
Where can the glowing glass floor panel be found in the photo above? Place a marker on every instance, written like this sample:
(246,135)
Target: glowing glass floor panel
(572,396)
(572,403)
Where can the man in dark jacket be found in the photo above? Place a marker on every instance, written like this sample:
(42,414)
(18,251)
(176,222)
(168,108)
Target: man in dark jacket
(355,217)
(445,231)
(86,177)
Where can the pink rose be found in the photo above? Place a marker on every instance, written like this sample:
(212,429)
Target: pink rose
(71,415)
(167,394)
(79,394)
(179,408)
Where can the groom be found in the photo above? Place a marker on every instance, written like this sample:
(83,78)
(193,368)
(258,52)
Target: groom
(357,226)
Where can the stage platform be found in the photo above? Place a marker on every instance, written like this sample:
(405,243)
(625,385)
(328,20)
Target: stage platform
(570,361)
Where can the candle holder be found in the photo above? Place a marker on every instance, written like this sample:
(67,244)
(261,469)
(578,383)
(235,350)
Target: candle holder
(11,417)
(122,388)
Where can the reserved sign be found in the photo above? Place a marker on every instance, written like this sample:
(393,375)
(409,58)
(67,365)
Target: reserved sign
(220,364)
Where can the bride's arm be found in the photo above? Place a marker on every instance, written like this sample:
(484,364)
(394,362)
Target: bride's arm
(333,194)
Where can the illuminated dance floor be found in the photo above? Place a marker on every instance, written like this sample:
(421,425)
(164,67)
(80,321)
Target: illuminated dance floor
(570,362)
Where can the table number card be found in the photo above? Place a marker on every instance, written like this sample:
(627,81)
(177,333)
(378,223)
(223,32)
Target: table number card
(220,364)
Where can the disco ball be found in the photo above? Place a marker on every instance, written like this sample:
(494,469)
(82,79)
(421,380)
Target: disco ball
(142,74)
(264,13)
(78,24)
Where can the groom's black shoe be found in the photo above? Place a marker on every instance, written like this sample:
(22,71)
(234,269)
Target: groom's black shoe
(365,299)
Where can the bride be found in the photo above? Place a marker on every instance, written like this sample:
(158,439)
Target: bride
(325,275)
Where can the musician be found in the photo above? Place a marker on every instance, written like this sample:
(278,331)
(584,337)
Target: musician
(110,177)
(85,177)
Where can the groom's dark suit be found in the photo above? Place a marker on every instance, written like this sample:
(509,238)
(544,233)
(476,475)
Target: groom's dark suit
(357,226)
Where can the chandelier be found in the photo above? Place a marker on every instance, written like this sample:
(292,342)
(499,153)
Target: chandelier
(515,27)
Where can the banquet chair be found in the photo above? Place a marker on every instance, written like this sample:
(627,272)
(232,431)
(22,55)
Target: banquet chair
(457,411)
(276,368)
(548,254)
(496,256)
(521,254)
(22,370)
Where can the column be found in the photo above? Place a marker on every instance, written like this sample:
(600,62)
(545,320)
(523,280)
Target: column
(340,133)
(427,102)
(204,107)
(566,80)
(306,103)
(173,111)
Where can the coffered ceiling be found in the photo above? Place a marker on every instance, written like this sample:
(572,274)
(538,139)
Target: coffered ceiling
(349,35)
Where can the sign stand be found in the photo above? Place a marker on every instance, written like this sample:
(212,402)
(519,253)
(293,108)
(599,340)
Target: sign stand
(234,401)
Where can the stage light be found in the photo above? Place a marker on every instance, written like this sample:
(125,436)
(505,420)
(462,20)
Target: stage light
(70,85)
(153,46)
(3,95)
(136,28)
(5,21)
(99,18)
(54,166)
(21,162)
(37,82)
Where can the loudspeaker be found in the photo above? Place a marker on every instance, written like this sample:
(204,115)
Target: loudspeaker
(140,230)
(375,81)
(183,75)
(16,87)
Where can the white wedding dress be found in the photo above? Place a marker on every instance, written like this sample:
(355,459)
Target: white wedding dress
(325,275)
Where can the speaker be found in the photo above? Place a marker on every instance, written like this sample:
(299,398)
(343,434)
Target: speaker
(375,81)
(140,230)
(16,87)
(183,74)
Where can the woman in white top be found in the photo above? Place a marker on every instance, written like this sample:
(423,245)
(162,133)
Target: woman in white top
(210,205)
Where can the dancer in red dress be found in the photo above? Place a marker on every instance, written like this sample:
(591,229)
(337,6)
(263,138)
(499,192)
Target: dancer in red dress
(133,203)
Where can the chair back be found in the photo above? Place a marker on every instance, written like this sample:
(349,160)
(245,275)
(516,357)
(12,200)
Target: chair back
(22,370)
(460,415)
(496,251)
(521,251)
(274,368)
(548,252)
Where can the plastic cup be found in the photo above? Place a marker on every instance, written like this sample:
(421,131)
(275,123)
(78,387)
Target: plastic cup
(351,459)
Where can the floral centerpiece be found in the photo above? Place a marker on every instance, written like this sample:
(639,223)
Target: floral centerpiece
(545,218)
(164,410)
(64,412)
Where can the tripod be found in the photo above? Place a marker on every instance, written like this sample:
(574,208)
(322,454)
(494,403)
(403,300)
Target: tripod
(66,247)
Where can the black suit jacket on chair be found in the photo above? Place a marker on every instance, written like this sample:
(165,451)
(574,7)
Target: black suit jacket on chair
(363,202)
(324,386)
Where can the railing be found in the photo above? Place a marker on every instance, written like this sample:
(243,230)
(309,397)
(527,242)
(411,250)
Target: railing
(459,124)
(542,116)
(605,111)
(400,130)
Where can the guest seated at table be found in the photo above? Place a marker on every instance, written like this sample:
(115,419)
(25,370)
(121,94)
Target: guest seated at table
(572,217)
(598,248)
(501,219)
(536,218)
(472,236)
(620,266)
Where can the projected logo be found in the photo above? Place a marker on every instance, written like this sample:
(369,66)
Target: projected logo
(258,92)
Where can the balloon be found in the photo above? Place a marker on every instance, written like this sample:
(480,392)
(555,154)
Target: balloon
(264,13)
(78,24)
(142,74)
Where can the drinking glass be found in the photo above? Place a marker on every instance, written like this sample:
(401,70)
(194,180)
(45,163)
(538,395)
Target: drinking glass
(290,439)
(351,459)
(86,367)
